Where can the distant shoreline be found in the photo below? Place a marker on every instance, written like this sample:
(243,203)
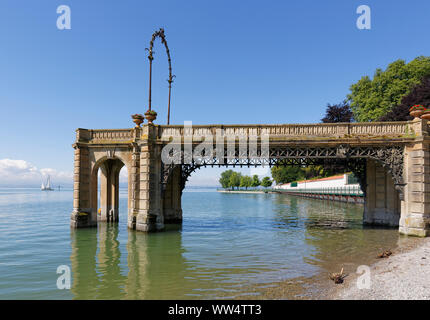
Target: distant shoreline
(245,191)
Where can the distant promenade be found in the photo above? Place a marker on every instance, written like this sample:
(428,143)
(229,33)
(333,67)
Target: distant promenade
(336,188)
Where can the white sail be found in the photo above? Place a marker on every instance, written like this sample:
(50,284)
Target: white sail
(47,186)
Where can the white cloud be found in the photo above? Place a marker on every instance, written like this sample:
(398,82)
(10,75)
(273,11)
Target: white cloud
(21,172)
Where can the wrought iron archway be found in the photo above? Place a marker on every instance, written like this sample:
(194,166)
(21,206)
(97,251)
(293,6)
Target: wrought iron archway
(352,158)
(160,34)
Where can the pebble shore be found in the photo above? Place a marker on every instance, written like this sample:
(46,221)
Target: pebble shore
(403,276)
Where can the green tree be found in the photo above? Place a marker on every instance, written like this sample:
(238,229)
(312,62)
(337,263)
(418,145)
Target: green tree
(255,181)
(225,179)
(420,94)
(266,182)
(235,179)
(316,172)
(285,174)
(338,113)
(371,99)
(245,181)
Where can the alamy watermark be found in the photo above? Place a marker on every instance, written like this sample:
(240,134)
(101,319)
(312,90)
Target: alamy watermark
(364,279)
(221,148)
(364,21)
(64,21)
(64,280)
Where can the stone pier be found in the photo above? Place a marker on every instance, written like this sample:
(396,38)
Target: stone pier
(391,160)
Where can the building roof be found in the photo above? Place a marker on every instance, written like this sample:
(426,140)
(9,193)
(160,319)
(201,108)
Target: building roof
(336,177)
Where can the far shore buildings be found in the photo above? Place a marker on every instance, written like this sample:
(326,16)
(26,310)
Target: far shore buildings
(339,181)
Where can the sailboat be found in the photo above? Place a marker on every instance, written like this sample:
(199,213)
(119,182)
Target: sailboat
(47,186)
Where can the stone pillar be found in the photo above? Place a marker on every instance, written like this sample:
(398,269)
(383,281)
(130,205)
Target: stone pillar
(105,195)
(382,203)
(172,207)
(150,217)
(109,190)
(134,187)
(114,189)
(415,211)
(82,215)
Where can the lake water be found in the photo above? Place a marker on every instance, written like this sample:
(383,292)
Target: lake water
(229,246)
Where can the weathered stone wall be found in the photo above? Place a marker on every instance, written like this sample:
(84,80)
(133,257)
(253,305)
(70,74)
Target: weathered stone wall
(150,217)
(382,203)
(172,207)
(415,216)
(82,215)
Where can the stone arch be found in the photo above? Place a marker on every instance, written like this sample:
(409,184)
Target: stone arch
(110,166)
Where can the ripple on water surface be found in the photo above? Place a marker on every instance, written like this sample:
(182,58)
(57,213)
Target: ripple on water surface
(229,246)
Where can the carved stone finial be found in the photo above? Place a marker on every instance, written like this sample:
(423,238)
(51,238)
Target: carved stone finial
(110,154)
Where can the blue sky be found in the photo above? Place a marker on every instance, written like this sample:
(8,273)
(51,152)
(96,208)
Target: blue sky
(235,62)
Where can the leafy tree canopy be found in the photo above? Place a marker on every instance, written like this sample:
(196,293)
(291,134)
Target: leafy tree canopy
(245,181)
(338,113)
(266,182)
(371,99)
(225,179)
(420,94)
(235,179)
(255,181)
(286,174)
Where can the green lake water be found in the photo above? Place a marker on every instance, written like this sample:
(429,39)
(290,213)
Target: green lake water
(229,246)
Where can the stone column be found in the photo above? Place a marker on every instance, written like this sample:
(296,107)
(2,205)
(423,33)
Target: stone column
(415,212)
(105,194)
(109,190)
(134,187)
(150,217)
(114,187)
(82,215)
(415,209)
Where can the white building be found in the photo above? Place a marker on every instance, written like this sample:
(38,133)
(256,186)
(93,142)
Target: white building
(338,181)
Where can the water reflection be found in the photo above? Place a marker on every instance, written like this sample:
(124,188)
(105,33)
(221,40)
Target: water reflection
(84,265)
(335,231)
(228,245)
(152,260)
(108,267)
(225,249)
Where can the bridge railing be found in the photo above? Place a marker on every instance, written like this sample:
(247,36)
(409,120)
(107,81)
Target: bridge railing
(106,135)
(326,130)
(292,130)
(354,191)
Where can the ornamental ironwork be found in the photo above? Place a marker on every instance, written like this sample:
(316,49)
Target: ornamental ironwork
(351,157)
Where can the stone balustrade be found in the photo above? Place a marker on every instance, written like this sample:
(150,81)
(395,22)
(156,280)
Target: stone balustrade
(334,130)
(105,135)
(396,129)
